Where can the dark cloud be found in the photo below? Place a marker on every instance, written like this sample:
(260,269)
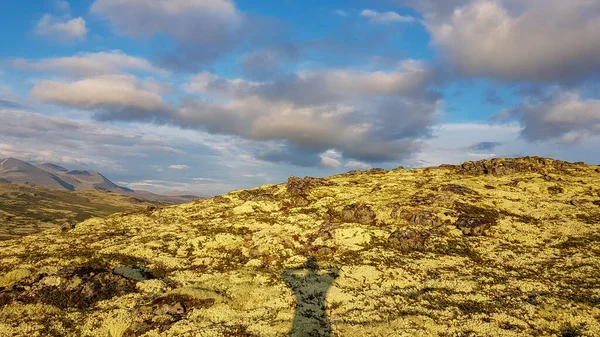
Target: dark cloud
(484,146)
(290,154)
(559,114)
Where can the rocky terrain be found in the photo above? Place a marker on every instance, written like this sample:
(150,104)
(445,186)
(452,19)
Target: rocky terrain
(506,247)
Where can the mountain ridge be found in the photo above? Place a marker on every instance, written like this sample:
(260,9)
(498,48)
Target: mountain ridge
(53,176)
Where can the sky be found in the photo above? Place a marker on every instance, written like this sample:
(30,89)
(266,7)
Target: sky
(208,96)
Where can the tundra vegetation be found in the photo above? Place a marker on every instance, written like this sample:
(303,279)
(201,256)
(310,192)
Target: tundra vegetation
(503,247)
(27,209)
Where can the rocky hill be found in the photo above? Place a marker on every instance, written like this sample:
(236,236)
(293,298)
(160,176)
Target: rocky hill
(507,247)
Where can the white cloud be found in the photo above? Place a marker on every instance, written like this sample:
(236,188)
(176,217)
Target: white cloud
(370,116)
(62,29)
(410,77)
(357,165)
(534,40)
(329,162)
(108,94)
(179,167)
(386,17)
(562,115)
(89,64)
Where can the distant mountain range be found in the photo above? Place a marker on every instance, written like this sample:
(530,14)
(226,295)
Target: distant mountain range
(15,171)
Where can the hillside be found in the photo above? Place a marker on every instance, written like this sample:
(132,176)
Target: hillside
(507,247)
(56,177)
(27,209)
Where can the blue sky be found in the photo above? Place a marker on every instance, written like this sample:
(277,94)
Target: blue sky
(213,95)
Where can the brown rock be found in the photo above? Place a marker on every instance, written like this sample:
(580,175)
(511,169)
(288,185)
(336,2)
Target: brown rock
(358,213)
(72,287)
(473,220)
(422,200)
(506,166)
(555,189)
(163,312)
(422,218)
(408,239)
(459,189)
(303,186)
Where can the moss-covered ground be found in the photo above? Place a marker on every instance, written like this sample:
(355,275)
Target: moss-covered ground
(495,248)
(27,209)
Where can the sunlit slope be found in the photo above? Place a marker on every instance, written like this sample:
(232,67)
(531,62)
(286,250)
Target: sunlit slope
(502,248)
(31,209)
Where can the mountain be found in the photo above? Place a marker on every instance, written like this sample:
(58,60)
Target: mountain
(502,247)
(84,180)
(20,172)
(59,178)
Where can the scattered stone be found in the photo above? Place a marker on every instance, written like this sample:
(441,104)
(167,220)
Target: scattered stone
(377,171)
(507,166)
(299,189)
(596,202)
(72,287)
(303,186)
(395,208)
(221,200)
(163,312)
(422,200)
(358,213)
(408,239)
(459,189)
(489,187)
(473,220)
(555,189)
(67,226)
(134,273)
(376,188)
(422,218)
(421,183)
(575,202)
(513,183)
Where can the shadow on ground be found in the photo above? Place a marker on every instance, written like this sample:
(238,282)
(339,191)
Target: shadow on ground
(310,285)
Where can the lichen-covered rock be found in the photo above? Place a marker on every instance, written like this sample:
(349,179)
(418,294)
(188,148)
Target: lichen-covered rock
(163,312)
(73,287)
(555,189)
(358,213)
(507,166)
(303,186)
(473,220)
(408,239)
(135,273)
(422,217)
(459,189)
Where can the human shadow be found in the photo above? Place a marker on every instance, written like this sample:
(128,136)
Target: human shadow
(310,285)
